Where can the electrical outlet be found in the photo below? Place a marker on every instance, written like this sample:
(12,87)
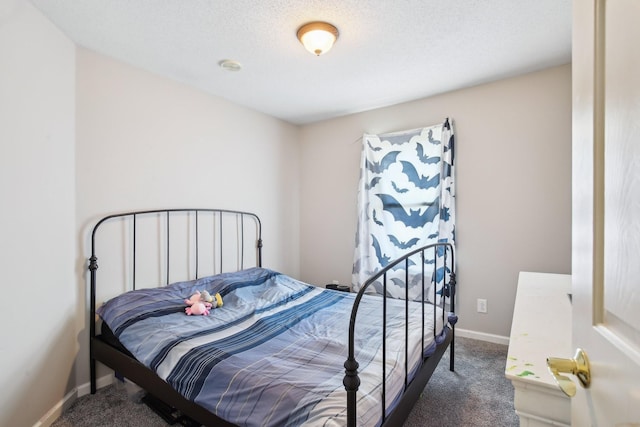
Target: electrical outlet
(482,305)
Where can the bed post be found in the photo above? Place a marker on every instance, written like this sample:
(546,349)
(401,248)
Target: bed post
(452,298)
(93,266)
(351,383)
(351,380)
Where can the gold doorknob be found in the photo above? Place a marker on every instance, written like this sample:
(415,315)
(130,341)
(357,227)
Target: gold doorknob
(578,366)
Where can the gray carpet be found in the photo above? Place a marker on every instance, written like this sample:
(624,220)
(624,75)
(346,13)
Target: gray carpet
(476,394)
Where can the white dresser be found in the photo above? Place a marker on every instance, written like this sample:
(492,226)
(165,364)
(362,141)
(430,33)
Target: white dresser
(541,328)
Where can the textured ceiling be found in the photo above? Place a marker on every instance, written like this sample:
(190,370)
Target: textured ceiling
(388,51)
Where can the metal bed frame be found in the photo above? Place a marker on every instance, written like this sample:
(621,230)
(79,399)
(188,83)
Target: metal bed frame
(128,367)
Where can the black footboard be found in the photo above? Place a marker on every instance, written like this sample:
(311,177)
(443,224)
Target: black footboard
(440,255)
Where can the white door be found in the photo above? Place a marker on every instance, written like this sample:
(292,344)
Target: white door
(606,209)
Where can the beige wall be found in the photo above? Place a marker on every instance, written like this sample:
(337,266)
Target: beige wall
(37,254)
(146,142)
(513,159)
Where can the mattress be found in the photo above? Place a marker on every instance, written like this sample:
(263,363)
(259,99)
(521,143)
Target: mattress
(273,354)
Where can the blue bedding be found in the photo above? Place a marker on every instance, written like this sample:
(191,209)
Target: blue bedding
(273,354)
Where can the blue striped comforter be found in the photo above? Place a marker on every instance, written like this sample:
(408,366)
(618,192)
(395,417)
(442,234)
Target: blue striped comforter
(273,354)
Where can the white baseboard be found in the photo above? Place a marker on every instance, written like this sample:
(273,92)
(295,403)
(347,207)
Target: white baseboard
(54,413)
(85,388)
(482,336)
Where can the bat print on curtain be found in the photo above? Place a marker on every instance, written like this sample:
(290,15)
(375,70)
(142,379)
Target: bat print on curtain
(406,199)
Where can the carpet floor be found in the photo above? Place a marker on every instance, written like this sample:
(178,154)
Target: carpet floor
(476,394)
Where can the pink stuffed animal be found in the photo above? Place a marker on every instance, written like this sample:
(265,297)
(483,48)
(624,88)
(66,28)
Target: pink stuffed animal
(196,305)
(197,308)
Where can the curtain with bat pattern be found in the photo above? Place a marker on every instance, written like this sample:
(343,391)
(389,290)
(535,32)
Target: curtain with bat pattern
(406,199)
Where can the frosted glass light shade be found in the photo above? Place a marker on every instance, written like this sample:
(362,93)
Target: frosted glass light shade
(318,37)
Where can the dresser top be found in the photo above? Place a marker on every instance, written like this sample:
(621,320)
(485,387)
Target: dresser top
(541,327)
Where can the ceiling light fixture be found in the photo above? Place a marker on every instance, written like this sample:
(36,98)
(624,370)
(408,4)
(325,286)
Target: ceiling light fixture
(317,37)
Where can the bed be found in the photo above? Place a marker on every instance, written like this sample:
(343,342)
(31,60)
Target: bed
(278,351)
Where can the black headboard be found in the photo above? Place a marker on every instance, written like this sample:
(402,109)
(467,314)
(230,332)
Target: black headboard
(222,239)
